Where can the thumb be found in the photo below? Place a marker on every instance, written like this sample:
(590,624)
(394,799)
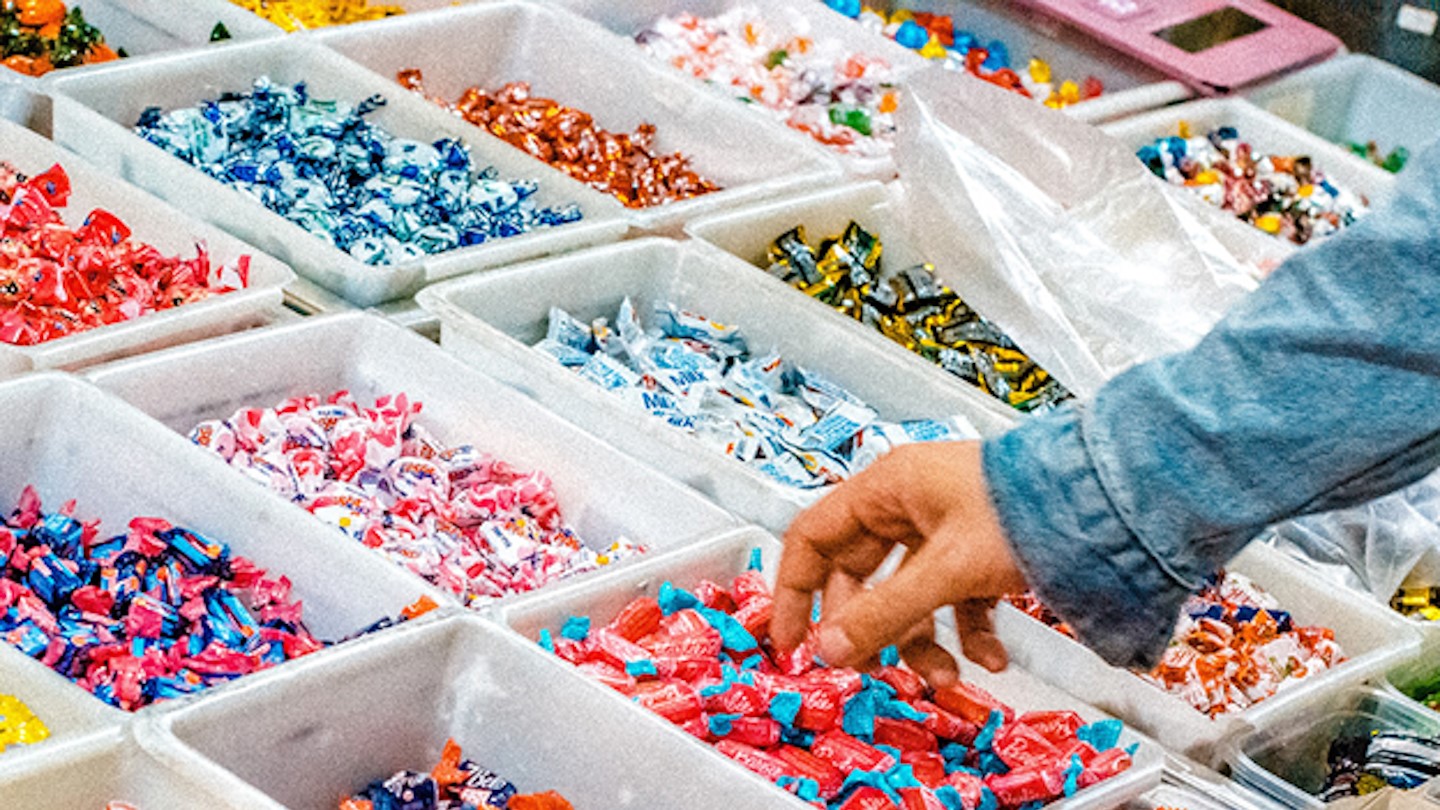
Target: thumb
(873,619)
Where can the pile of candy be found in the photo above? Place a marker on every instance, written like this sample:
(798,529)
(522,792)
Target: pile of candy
(1281,195)
(56,280)
(1361,764)
(699,376)
(912,308)
(1232,648)
(297,15)
(838,738)
(1418,603)
(626,166)
(324,167)
(19,725)
(464,520)
(454,784)
(38,36)
(935,37)
(1392,162)
(152,614)
(841,99)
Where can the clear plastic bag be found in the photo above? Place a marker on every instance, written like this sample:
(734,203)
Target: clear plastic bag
(1073,220)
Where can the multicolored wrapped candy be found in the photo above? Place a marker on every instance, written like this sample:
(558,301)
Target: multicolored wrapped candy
(698,375)
(56,280)
(466,521)
(835,737)
(935,37)
(628,167)
(324,167)
(19,725)
(1363,764)
(454,784)
(1282,195)
(38,36)
(841,99)
(298,15)
(1392,162)
(1233,646)
(1418,602)
(155,613)
(913,308)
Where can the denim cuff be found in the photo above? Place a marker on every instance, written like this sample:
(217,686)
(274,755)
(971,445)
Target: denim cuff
(1072,545)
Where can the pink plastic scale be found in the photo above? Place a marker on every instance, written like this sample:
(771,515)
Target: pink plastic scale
(1214,46)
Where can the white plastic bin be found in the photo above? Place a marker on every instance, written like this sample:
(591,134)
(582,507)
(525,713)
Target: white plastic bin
(71,440)
(491,44)
(67,713)
(174,232)
(1041,330)
(1130,86)
(492,321)
(1284,756)
(786,17)
(1373,639)
(117,96)
(1185,785)
(330,729)
(1266,132)
(603,493)
(114,767)
(1356,98)
(722,559)
(142,28)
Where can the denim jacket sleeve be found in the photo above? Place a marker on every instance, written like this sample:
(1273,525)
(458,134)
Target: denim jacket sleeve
(1318,391)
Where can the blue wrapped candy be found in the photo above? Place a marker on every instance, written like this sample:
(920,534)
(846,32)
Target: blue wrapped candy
(323,166)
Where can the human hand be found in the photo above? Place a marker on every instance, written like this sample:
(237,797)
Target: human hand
(931,499)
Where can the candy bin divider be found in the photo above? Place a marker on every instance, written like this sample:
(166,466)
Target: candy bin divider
(790,17)
(118,94)
(195,26)
(1188,784)
(886,212)
(157,223)
(1355,97)
(1265,131)
(724,557)
(513,709)
(1303,732)
(491,320)
(116,766)
(1374,639)
(600,487)
(1130,85)
(489,44)
(72,440)
(68,713)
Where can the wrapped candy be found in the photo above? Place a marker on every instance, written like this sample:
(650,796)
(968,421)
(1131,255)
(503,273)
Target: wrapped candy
(38,36)
(324,167)
(628,167)
(297,15)
(56,280)
(1233,647)
(19,725)
(1391,162)
(1363,764)
(835,737)
(152,614)
(454,784)
(1282,195)
(914,309)
(935,37)
(841,99)
(464,520)
(699,376)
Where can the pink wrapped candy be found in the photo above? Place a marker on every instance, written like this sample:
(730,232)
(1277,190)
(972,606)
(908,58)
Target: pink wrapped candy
(464,520)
